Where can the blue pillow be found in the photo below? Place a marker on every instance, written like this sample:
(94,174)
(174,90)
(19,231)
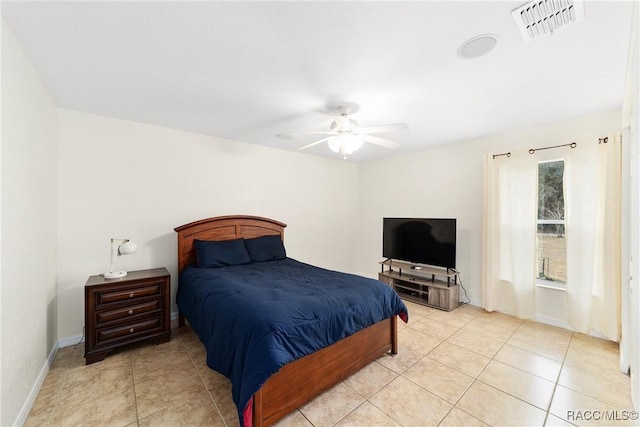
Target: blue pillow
(221,254)
(266,248)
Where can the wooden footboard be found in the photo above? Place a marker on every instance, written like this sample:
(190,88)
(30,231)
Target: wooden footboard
(300,381)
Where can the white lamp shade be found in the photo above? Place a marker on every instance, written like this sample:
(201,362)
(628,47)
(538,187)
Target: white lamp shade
(345,143)
(351,143)
(334,144)
(127,248)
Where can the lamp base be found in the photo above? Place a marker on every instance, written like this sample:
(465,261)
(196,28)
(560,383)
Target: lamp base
(114,274)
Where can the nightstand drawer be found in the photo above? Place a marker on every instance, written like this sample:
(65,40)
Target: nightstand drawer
(142,290)
(126,312)
(130,329)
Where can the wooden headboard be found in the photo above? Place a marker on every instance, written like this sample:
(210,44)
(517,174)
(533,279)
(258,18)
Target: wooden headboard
(222,228)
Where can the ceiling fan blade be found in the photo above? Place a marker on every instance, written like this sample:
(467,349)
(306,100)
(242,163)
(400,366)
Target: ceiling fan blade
(304,147)
(383,128)
(379,141)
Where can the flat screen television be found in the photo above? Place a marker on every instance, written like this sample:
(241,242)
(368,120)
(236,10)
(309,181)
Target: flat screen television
(429,241)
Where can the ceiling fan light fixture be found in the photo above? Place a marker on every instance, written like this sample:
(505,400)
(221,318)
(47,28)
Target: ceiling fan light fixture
(345,143)
(346,136)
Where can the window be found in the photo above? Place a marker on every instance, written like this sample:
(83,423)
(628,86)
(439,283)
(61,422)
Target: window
(551,243)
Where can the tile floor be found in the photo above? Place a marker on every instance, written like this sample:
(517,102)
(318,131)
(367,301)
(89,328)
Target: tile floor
(462,368)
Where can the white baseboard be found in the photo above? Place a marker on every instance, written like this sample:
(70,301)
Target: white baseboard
(553,322)
(473,302)
(33,394)
(565,325)
(69,341)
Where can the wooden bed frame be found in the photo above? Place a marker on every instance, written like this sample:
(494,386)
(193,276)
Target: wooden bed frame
(299,381)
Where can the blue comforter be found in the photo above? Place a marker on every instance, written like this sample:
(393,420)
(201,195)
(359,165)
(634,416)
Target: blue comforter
(255,318)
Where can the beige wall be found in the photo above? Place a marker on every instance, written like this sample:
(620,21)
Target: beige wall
(447,182)
(130,180)
(28,232)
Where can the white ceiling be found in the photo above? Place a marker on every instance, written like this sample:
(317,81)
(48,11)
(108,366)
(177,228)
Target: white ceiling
(250,70)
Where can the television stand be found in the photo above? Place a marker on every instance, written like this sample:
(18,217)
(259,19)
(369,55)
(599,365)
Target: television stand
(431,286)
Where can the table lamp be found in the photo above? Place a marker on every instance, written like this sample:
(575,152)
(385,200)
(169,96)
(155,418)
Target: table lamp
(126,247)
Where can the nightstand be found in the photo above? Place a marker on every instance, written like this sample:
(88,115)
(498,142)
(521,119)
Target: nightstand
(122,311)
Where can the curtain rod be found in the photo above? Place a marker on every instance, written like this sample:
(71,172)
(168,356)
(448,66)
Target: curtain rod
(502,154)
(604,140)
(533,150)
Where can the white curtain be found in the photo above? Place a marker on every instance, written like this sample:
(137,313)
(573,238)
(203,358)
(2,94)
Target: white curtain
(509,234)
(592,193)
(593,226)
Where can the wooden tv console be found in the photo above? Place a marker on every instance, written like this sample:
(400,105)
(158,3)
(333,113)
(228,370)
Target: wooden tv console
(431,286)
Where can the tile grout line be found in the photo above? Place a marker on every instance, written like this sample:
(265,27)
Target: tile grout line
(350,412)
(215,404)
(426,355)
(475,379)
(555,386)
(454,405)
(400,374)
(376,406)
(193,363)
(133,381)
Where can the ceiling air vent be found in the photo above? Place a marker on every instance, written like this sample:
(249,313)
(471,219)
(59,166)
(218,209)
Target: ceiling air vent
(542,17)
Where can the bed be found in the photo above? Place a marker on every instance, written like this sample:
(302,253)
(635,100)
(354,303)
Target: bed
(297,381)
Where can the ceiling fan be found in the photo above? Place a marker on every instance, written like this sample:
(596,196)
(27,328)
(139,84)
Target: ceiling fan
(345,135)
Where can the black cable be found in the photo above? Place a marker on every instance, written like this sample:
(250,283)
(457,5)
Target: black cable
(465,291)
(77,345)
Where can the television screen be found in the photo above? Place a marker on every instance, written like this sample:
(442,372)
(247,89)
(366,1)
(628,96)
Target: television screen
(429,241)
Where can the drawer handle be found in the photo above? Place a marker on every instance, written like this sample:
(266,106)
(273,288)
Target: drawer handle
(130,330)
(130,311)
(131,295)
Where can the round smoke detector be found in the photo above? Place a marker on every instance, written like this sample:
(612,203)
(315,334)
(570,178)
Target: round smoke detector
(477,46)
